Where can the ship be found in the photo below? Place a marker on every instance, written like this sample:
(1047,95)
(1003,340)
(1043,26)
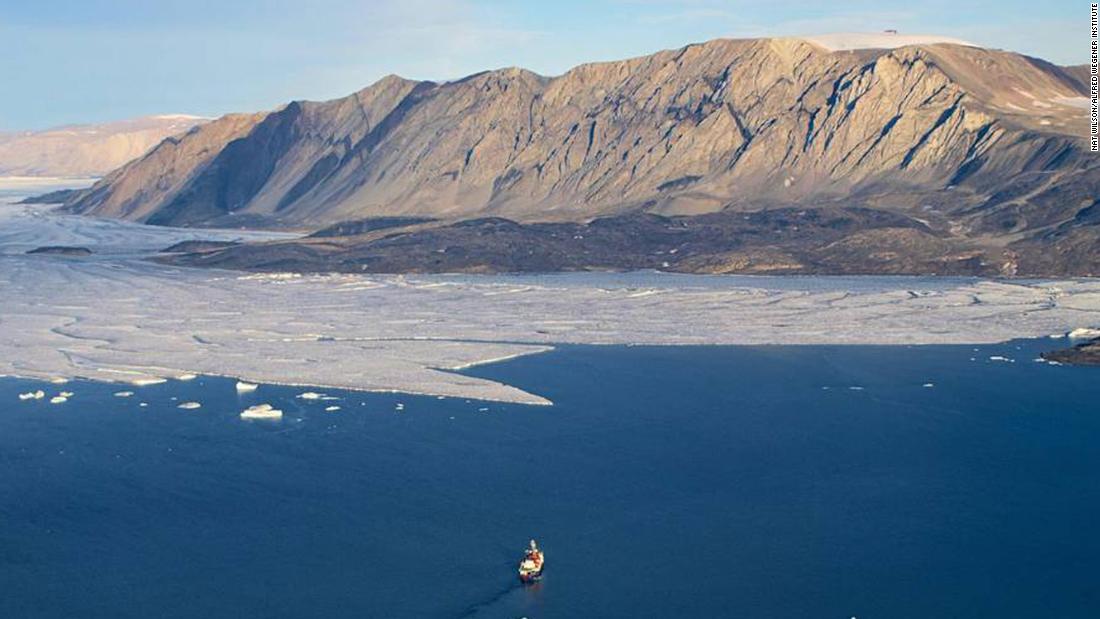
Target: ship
(530,568)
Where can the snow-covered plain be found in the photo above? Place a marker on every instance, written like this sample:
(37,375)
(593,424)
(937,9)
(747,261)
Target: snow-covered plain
(840,41)
(114,316)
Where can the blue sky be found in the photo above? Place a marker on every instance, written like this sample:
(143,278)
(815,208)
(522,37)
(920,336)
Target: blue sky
(70,61)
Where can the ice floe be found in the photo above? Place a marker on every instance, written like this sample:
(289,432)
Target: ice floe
(243,387)
(123,394)
(32,395)
(331,409)
(190,405)
(261,411)
(311,395)
(58,399)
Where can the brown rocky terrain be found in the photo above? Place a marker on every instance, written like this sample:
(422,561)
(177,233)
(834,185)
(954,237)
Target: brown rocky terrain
(1087,353)
(776,241)
(985,149)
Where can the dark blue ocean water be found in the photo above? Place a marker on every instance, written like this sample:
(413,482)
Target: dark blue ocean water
(726,481)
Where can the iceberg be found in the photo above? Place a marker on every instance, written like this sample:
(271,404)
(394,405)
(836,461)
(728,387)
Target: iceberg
(123,394)
(311,395)
(261,411)
(243,387)
(330,409)
(190,405)
(32,395)
(58,399)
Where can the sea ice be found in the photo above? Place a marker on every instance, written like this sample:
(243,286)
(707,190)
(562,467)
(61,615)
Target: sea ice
(119,317)
(331,409)
(58,399)
(261,411)
(123,394)
(311,395)
(189,405)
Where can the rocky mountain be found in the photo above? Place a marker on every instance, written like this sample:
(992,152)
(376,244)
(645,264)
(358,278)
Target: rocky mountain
(81,151)
(986,149)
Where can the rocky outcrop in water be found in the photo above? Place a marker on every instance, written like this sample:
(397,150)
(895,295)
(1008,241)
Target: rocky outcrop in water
(61,250)
(1087,353)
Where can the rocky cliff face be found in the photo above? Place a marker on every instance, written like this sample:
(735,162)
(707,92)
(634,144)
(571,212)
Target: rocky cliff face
(86,150)
(982,144)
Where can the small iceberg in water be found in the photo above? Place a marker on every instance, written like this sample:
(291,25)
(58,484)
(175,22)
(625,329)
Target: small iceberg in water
(32,395)
(123,394)
(311,395)
(59,399)
(261,411)
(243,387)
(189,406)
(331,409)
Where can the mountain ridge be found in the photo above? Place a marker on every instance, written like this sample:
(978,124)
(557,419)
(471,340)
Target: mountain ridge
(986,144)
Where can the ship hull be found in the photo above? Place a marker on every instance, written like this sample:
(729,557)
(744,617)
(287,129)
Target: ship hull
(530,577)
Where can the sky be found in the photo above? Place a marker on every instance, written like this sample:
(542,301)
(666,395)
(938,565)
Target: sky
(79,61)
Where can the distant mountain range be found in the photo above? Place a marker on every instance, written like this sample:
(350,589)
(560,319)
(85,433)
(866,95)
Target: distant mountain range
(981,153)
(81,151)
